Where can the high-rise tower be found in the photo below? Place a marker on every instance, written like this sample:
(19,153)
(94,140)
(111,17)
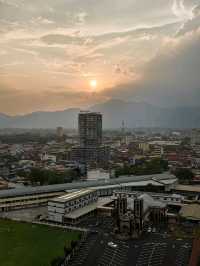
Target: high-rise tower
(90,151)
(90,129)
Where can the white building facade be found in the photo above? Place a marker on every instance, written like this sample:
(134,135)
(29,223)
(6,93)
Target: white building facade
(60,206)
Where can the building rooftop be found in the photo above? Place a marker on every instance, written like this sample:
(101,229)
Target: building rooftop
(188,188)
(164,142)
(86,209)
(151,202)
(73,195)
(86,184)
(88,112)
(152,194)
(191,212)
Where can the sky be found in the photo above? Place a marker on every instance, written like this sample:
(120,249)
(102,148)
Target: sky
(59,54)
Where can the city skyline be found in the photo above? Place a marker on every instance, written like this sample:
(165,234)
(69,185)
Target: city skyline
(60,54)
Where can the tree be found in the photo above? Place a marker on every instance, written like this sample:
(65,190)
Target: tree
(57,261)
(50,177)
(67,250)
(184,175)
(154,166)
(185,141)
(164,164)
(73,244)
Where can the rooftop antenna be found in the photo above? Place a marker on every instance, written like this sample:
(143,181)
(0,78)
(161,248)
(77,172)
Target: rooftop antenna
(123,131)
(123,127)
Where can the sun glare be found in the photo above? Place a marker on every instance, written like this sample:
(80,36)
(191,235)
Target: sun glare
(93,83)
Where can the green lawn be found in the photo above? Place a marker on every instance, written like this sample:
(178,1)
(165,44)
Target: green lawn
(23,244)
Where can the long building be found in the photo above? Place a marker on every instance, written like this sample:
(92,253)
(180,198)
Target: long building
(32,196)
(171,199)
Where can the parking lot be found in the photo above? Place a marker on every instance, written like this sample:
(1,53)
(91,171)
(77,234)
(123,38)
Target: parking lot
(159,250)
(183,255)
(152,254)
(102,249)
(82,255)
(114,255)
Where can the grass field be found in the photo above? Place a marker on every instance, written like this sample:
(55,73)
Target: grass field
(23,244)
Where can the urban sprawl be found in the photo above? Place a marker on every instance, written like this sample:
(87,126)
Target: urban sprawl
(133,194)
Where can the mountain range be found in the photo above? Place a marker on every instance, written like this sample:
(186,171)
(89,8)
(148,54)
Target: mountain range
(134,114)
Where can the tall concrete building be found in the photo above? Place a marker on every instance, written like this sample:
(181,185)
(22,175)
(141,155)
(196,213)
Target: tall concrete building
(59,132)
(91,150)
(90,129)
(195,137)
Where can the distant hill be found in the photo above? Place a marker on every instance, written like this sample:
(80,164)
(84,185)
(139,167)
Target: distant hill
(114,111)
(66,118)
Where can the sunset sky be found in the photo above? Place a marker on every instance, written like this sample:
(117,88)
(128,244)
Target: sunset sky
(57,54)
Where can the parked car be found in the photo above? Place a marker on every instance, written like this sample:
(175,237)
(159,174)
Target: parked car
(111,244)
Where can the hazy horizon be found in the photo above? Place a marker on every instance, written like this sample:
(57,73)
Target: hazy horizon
(111,101)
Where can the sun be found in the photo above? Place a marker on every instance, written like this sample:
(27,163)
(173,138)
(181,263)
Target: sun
(93,83)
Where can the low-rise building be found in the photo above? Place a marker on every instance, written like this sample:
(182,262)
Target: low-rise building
(190,212)
(3,184)
(59,207)
(98,174)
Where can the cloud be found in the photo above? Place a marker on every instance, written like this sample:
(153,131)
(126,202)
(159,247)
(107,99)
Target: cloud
(141,49)
(140,33)
(171,78)
(62,39)
(81,18)
(181,11)
(191,24)
(41,20)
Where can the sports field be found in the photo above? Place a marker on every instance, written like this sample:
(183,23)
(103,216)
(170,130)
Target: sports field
(23,244)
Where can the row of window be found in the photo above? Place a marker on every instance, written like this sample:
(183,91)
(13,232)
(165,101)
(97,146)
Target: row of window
(157,198)
(25,200)
(82,199)
(74,207)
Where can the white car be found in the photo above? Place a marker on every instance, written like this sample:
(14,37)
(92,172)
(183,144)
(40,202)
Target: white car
(149,230)
(111,244)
